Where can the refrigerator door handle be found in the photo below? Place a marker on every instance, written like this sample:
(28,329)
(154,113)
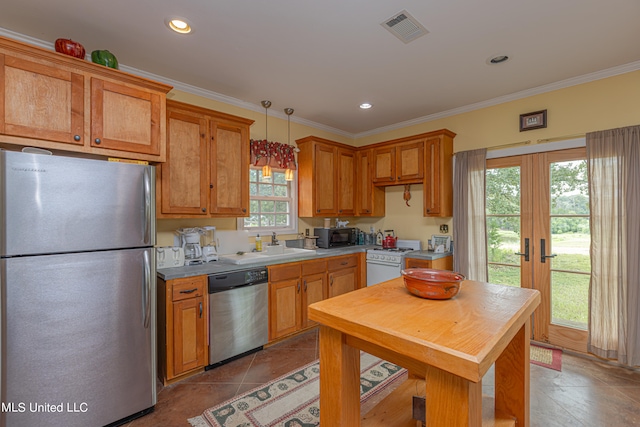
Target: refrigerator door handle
(147,206)
(146,290)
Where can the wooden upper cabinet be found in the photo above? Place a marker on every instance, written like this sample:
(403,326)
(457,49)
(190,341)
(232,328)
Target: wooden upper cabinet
(399,163)
(410,161)
(229,168)
(54,101)
(185,174)
(207,169)
(438,183)
(125,118)
(369,199)
(347,182)
(384,165)
(41,101)
(326,178)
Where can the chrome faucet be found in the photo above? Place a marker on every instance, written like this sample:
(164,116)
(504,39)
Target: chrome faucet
(274,239)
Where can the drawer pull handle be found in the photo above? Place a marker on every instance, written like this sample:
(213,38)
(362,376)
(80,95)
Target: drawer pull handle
(189,291)
(298,287)
(344,263)
(305,285)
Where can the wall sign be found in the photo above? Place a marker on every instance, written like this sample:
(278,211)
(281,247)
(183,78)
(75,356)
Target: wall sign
(535,120)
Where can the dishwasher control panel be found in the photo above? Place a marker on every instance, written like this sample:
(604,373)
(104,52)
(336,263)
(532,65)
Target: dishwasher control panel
(223,281)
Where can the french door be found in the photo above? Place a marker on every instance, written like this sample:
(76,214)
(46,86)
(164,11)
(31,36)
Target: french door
(538,237)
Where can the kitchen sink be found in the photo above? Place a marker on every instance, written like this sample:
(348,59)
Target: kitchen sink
(274,254)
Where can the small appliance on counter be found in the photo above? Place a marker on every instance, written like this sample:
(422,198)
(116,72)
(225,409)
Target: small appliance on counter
(169,256)
(334,237)
(209,250)
(440,244)
(190,239)
(390,239)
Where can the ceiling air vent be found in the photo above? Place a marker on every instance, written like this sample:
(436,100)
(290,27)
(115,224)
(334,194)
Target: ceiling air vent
(404,26)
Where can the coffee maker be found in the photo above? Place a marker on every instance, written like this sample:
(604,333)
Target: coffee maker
(209,250)
(190,240)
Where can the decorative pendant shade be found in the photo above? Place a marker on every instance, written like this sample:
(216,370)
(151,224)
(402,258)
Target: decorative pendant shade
(288,175)
(273,154)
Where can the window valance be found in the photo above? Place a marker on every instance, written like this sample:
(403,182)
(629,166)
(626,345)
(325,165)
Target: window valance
(274,154)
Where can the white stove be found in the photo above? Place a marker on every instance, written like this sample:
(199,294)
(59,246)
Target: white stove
(386,264)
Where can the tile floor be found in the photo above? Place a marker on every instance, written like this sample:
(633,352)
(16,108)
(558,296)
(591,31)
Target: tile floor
(586,392)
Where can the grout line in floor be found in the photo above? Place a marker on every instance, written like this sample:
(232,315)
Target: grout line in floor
(245,373)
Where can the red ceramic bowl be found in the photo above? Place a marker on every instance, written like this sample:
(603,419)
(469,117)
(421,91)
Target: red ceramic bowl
(432,284)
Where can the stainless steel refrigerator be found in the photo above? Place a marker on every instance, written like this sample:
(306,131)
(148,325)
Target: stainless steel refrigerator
(77,291)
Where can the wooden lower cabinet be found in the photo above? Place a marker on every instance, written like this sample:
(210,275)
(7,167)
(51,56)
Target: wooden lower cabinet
(294,286)
(182,327)
(314,287)
(284,299)
(342,274)
(445,263)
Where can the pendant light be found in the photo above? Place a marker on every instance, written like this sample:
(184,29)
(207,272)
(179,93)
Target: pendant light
(288,174)
(266,169)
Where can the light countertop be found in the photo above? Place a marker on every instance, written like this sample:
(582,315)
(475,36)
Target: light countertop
(225,266)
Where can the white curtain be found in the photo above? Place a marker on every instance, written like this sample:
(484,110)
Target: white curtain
(469,224)
(613,158)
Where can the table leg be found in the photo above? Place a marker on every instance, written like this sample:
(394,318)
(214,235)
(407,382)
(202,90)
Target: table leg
(339,380)
(452,401)
(512,378)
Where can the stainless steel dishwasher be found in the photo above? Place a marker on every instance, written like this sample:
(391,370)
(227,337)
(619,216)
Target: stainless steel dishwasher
(238,314)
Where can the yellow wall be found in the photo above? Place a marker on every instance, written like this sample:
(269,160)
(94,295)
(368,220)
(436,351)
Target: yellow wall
(604,104)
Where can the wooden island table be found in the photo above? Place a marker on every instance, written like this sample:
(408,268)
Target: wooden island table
(450,343)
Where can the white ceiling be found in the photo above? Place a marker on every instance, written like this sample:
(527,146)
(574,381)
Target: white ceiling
(324,58)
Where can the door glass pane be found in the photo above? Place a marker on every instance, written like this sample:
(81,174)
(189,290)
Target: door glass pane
(570,299)
(570,242)
(503,225)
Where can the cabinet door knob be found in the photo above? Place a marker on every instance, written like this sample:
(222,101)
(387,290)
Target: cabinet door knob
(298,287)
(201,310)
(76,138)
(98,141)
(211,186)
(204,209)
(244,210)
(398,178)
(331,281)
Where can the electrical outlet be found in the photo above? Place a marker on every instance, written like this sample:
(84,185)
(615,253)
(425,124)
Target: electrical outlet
(444,228)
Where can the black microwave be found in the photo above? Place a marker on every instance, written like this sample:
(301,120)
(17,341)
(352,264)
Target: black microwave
(334,237)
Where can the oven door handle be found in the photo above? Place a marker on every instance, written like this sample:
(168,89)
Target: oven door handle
(392,264)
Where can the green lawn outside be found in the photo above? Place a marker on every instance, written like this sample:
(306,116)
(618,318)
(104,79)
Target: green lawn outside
(570,291)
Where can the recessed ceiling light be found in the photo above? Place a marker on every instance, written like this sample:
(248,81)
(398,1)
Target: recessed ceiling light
(498,59)
(365,105)
(179,25)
